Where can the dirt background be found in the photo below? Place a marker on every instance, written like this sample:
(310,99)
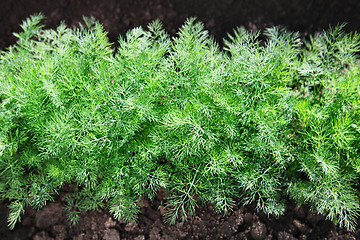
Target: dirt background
(298,223)
(219,17)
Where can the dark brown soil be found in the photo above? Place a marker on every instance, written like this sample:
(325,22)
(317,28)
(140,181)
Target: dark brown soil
(242,223)
(219,17)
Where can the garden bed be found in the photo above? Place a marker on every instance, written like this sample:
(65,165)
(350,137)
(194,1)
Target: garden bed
(183,144)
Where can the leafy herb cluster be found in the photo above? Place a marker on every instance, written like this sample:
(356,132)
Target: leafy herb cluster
(255,122)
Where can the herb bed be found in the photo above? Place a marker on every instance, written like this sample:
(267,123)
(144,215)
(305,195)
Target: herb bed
(251,122)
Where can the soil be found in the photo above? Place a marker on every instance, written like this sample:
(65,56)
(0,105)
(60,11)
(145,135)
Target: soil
(219,17)
(243,222)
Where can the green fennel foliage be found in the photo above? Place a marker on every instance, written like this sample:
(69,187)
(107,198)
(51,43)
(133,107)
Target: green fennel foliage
(254,122)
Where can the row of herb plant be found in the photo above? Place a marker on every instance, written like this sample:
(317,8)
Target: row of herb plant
(256,121)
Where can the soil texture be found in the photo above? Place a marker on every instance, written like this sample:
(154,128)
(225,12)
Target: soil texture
(219,16)
(244,222)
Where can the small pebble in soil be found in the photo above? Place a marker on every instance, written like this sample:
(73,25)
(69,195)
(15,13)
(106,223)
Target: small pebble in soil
(248,217)
(301,226)
(111,234)
(155,233)
(130,226)
(285,236)
(258,231)
(140,237)
(110,223)
(303,237)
